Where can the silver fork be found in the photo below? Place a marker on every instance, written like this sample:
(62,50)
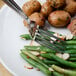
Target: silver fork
(15,7)
(41,36)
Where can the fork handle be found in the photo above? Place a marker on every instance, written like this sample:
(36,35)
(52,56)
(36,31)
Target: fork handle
(15,7)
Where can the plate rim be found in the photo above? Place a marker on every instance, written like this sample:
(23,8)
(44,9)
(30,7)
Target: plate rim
(1,61)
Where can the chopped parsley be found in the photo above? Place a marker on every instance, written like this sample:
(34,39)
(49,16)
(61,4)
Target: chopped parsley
(67,17)
(59,19)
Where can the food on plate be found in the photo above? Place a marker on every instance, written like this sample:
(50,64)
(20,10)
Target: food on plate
(59,18)
(31,7)
(46,9)
(71,7)
(49,61)
(26,37)
(36,64)
(64,71)
(38,18)
(57,3)
(68,1)
(69,36)
(72,27)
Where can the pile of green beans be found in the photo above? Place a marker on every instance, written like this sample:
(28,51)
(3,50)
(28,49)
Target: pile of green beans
(59,66)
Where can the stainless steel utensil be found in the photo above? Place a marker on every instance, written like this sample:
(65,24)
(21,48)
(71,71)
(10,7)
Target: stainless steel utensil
(41,36)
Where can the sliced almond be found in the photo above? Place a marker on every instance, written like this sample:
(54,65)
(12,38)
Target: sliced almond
(28,66)
(56,34)
(69,36)
(42,52)
(66,56)
(50,69)
(40,57)
(35,53)
(59,55)
(62,37)
(38,69)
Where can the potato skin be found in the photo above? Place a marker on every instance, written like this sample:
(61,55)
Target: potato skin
(72,27)
(31,7)
(69,1)
(57,3)
(46,9)
(71,7)
(59,18)
(38,18)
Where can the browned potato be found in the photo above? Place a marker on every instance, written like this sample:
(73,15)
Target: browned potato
(59,18)
(71,7)
(38,18)
(72,27)
(46,9)
(68,1)
(31,7)
(57,3)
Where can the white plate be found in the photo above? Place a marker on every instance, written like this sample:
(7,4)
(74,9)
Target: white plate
(11,27)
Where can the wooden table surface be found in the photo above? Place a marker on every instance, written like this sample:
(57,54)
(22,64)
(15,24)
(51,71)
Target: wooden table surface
(3,71)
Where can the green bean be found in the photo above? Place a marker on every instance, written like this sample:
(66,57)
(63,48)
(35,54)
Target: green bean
(57,74)
(50,62)
(64,71)
(72,55)
(26,36)
(36,64)
(60,60)
(72,59)
(71,42)
(34,57)
(74,62)
(39,48)
(74,38)
(70,51)
(46,56)
(68,47)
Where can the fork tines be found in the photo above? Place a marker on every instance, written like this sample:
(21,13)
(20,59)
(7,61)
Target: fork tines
(48,40)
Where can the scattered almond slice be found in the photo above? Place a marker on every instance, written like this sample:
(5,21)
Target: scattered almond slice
(50,69)
(62,37)
(35,53)
(38,69)
(66,56)
(51,42)
(40,57)
(69,36)
(28,66)
(42,52)
(59,55)
(56,34)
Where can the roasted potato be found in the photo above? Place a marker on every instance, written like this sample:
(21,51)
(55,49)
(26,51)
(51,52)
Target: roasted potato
(46,9)
(59,18)
(38,18)
(31,7)
(72,27)
(68,1)
(71,7)
(57,3)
